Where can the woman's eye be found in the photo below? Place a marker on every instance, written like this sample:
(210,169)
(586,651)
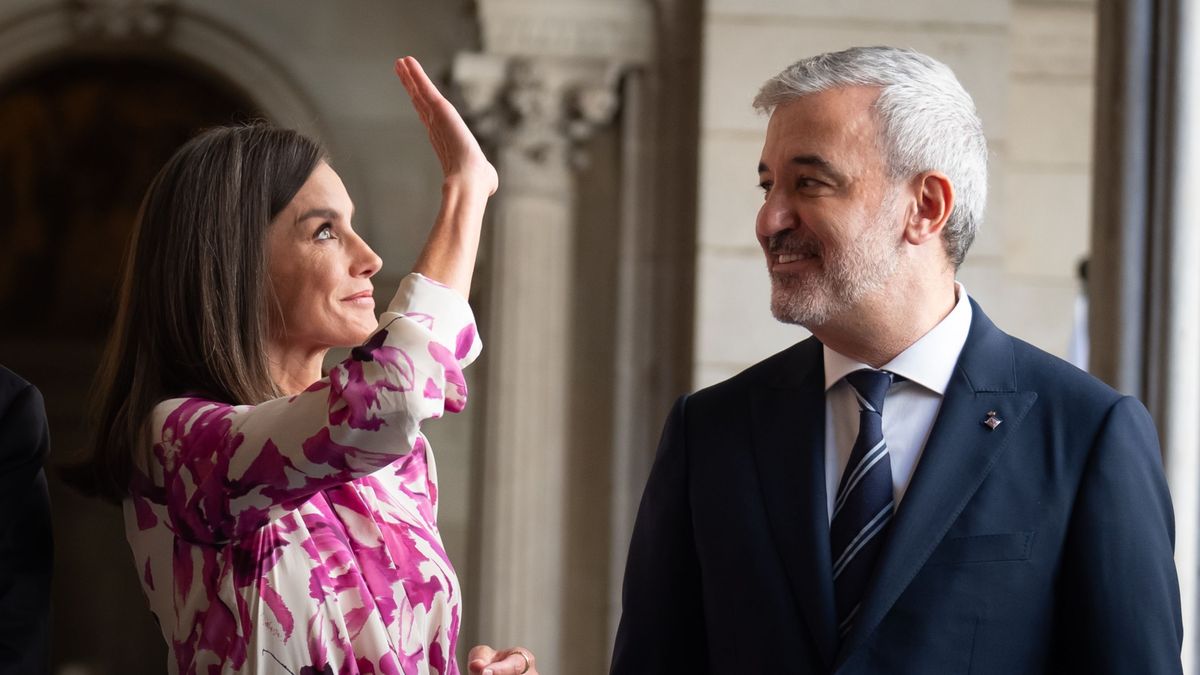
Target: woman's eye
(324,232)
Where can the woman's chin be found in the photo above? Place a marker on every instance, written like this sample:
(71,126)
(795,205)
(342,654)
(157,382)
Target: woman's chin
(350,332)
(361,335)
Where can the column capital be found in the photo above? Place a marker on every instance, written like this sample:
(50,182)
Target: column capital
(537,108)
(549,75)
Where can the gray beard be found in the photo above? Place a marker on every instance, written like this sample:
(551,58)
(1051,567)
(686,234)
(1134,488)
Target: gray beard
(845,278)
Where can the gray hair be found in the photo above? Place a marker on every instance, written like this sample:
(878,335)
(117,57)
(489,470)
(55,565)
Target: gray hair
(927,122)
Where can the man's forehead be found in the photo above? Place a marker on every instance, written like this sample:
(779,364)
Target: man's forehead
(832,108)
(823,123)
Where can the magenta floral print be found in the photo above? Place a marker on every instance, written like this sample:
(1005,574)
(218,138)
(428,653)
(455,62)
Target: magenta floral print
(300,535)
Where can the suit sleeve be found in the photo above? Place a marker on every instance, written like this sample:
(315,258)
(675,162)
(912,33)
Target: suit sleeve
(1120,609)
(26,549)
(662,618)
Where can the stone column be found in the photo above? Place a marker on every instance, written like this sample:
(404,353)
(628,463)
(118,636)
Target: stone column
(1144,283)
(547,77)
(534,110)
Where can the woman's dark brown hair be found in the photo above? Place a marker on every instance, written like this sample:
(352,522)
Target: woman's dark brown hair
(195,300)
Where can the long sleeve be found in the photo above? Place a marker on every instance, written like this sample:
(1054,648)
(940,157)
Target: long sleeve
(223,471)
(662,616)
(1119,603)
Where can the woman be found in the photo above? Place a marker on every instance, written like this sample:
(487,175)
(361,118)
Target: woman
(281,521)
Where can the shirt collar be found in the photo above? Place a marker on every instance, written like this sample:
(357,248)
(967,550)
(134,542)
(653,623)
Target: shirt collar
(929,361)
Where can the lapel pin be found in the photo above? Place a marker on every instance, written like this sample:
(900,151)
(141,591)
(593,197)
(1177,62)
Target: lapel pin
(992,421)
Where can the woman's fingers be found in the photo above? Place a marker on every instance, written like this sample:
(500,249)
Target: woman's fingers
(452,141)
(424,93)
(414,92)
(515,661)
(483,660)
(424,86)
(479,657)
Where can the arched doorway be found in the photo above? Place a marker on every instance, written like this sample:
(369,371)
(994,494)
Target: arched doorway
(80,140)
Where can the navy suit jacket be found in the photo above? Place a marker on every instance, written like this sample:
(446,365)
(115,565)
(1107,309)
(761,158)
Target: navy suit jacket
(1043,546)
(26,548)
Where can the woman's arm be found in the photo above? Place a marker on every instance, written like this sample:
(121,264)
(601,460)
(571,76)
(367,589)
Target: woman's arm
(223,471)
(469,179)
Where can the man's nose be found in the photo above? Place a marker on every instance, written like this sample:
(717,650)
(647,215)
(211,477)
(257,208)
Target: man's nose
(775,216)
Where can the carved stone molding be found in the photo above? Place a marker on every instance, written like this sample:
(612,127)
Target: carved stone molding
(54,28)
(117,20)
(606,29)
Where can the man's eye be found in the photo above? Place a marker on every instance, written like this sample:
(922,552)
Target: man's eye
(324,232)
(803,183)
(765,186)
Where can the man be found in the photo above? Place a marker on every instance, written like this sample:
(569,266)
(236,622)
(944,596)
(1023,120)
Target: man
(26,550)
(910,490)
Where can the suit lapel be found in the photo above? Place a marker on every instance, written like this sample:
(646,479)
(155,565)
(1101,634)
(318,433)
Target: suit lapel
(789,452)
(958,456)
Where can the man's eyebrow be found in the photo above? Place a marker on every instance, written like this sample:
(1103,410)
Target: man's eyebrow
(814,161)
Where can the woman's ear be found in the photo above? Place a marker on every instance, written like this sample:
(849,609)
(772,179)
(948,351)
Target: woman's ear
(934,201)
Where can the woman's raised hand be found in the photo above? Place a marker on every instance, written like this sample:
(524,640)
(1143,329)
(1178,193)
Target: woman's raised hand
(455,145)
(449,253)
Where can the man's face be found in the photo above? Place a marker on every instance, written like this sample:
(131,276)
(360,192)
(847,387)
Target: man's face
(831,223)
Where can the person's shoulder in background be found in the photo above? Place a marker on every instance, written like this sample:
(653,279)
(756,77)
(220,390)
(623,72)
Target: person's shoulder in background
(26,546)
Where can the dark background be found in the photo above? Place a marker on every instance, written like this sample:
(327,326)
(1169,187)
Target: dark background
(81,137)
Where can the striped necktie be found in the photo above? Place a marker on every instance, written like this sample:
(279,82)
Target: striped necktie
(865,501)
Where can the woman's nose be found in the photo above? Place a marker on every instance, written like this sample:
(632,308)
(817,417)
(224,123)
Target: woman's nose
(367,262)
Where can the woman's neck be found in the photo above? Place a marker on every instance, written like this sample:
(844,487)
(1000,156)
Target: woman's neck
(294,368)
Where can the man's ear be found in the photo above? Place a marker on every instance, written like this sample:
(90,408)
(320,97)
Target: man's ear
(934,201)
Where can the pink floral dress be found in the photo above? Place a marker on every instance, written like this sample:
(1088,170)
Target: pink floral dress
(299,536)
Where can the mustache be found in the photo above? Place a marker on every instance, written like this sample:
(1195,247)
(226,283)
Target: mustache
(790,242)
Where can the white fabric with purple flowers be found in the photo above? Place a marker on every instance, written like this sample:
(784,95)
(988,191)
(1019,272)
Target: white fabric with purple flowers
(299,535)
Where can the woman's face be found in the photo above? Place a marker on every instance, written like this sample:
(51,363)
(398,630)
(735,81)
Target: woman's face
(320,269)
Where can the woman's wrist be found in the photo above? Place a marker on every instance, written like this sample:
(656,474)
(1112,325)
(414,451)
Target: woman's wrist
(449,253)
(469,185)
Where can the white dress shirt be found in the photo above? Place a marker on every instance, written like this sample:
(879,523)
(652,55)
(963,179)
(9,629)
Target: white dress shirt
(910,406)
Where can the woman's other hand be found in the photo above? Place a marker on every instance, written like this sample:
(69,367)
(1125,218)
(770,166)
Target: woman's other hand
(483,660)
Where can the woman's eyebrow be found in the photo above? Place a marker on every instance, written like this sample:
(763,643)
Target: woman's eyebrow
(328,214)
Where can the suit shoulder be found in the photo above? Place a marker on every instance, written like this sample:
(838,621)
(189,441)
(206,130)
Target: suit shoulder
(11,384)
(1056,379)
(790,364)
(15,388)
(23,431)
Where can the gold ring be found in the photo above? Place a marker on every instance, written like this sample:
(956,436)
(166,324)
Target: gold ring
(525,656)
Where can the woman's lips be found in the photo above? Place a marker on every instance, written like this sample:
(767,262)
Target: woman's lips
(361,299)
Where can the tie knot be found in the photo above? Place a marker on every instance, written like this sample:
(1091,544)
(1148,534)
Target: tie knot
(870,386)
